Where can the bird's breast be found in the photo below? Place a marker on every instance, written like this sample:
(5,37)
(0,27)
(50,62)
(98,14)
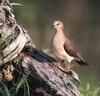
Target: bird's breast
(58,48)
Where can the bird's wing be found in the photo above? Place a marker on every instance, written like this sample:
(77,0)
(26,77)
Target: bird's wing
(70,48)
(72,51)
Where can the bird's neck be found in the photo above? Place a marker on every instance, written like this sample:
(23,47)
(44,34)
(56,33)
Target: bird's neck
(59,34)
(59,31)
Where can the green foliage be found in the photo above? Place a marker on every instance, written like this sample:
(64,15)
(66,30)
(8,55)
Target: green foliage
(23,82)
(4,90)
(89,90)
(15,86)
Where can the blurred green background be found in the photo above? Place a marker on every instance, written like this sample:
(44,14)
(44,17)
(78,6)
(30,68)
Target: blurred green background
(82,25)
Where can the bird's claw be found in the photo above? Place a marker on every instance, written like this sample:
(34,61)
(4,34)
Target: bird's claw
(56,65)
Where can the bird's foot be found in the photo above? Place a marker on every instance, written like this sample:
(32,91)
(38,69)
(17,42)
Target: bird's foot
(56,65)
(68,68)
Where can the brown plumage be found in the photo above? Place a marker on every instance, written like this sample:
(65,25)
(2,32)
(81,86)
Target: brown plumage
(71,50)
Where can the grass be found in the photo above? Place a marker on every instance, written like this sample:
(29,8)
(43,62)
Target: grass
(19,83)
(89,90)
(19,86)
(22,84)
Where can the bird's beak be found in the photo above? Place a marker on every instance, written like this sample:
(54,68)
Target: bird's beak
(52,27)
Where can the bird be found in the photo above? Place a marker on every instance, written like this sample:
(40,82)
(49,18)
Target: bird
(63,48)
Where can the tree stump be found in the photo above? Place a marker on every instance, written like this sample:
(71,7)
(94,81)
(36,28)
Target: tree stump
(17,48)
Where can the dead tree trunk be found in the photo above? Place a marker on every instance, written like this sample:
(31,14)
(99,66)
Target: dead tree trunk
(17,48)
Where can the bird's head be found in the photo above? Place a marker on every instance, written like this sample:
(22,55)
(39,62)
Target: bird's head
(58,25)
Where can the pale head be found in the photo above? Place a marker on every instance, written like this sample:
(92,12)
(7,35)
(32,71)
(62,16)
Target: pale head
(58,25)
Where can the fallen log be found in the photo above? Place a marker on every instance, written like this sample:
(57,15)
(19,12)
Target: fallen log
(20,50)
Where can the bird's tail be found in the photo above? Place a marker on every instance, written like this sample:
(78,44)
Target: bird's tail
(81,62)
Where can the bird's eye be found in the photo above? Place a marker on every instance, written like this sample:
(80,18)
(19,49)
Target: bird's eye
(58,24)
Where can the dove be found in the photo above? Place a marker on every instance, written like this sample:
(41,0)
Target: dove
(63,48)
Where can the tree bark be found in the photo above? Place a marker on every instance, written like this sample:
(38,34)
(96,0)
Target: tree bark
(17,47)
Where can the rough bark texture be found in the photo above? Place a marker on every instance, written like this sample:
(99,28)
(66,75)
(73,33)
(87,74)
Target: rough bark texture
(20,50)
